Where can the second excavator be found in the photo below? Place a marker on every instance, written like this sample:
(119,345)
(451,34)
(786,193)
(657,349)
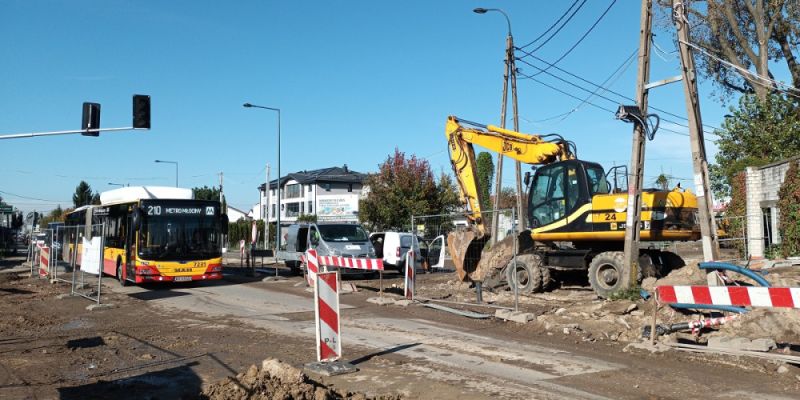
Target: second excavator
(576,212)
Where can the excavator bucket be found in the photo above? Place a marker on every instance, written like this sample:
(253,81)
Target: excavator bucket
(465,250)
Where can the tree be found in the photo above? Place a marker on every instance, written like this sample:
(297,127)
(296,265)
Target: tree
(402,187)
(662,181)
(312,218)
(789,211)
(83,195)
(508,198)
(759,35)
(205,193)
(485,170)
(755,134)
(55,215)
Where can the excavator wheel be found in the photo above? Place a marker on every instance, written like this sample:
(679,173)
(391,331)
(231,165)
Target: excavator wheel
(529,274)
(547,279)
(605,273)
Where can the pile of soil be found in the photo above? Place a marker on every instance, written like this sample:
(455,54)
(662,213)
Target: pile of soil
(277,380)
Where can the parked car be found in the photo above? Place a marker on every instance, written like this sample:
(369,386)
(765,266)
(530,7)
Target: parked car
(393,248)
(329,239)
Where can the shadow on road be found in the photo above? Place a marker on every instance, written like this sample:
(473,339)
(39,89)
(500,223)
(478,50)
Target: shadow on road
(384,352)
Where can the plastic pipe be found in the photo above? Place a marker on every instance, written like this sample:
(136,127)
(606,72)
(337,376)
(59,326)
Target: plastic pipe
(735,268)
(735,309)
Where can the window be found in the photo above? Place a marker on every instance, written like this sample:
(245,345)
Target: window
(309,188)
(293,191)
(292,209)
(327,187)
(597,180)
(349,187)
(310,207)
(302,208)
(547,199)
(273,211)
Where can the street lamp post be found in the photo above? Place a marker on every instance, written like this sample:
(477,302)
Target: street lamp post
(278,201)
(176,168)
(118,184)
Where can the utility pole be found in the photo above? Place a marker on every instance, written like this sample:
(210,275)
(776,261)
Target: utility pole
(636,175)
(220,192)
(708,229)
(521,203)
(498,181)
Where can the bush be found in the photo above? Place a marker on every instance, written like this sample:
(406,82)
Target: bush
(789,212)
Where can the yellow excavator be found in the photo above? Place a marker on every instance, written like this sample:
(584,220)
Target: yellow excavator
(575,210)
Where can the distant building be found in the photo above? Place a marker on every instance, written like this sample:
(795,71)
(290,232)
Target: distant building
(762,186)
(331,194)
(235,214)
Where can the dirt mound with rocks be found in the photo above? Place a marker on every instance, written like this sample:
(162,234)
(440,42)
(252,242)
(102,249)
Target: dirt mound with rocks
(782,325)
(276,380)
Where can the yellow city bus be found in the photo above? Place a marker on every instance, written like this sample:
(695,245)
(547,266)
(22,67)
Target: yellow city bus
(156,234)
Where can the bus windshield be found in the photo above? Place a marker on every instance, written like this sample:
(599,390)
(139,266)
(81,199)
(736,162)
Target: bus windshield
(342,233)
(179,238)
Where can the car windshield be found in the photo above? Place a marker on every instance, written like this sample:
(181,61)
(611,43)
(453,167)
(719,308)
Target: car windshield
(342,233)
(179,238)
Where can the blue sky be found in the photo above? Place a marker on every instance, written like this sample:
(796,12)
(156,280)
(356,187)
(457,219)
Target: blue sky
(353,79)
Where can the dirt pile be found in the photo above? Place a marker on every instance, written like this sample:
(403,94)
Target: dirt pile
(277,380)
(782,325)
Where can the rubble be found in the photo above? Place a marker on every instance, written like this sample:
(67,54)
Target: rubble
(278,380)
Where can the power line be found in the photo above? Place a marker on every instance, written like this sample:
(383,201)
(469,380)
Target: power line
(599,87)
(600,107)
(591,28)
(32,198)
(556,23)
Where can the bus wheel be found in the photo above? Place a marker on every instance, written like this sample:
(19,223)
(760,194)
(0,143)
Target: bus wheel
(122,281)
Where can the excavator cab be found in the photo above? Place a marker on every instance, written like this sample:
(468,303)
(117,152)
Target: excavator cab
(561,191)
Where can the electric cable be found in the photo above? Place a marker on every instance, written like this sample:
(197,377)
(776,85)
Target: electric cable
(554,24)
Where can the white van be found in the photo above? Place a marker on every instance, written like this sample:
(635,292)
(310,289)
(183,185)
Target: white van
(393,247)
(329,239)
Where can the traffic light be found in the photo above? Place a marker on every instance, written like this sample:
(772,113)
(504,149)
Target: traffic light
(141,111)
(91,119)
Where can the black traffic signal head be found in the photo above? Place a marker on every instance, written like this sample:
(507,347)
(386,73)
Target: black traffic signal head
(141,111)
(91,119)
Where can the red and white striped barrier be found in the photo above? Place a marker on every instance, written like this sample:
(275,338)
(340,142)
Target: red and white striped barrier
(326,305)
(369,264)
(411,276)
(743,296)
(44,261)
(312,266)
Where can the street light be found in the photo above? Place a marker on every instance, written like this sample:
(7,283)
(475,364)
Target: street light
(118,184)
(485,10)
(266,185)
(176,168)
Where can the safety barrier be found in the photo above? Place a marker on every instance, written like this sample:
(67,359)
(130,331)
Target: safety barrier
(369,264)
(91,263)
(44,261)
(745,296)
(411,276)
(326,305)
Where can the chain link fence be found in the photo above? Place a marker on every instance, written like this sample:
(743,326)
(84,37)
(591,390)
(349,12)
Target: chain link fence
(89,256)
(462,255)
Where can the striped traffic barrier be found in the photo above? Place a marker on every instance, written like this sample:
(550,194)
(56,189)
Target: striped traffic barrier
(369,264)
(410,276)
(44,261)
(312,265)
(743,296)
(326,304)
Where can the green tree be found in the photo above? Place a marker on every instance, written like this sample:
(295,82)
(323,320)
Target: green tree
(484,168)
(755,134)
(307,218)
(205,193)
(662,181)
(55,215)
(789,211)
(402,187)
(84,196)
(508,198)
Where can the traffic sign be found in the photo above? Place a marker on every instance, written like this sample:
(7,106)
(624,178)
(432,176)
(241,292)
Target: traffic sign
(6,209)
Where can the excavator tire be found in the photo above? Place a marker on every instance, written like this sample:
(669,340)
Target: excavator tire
(529,274)
(605,273)
(547,280)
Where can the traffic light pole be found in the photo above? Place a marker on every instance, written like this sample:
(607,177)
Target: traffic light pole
(72,132)
(699,163)
(636,177)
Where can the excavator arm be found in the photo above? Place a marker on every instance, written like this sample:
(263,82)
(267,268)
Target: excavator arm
(466,246)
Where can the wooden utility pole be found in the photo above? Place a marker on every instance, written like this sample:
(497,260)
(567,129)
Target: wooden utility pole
(636,175)
(498,181)
(265,212)
(521,203)
(708,229)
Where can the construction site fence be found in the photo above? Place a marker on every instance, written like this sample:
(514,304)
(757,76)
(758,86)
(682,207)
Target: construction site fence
(427,228)
(85,284)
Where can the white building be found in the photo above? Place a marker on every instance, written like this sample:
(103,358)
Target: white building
(331,194)
(762,186)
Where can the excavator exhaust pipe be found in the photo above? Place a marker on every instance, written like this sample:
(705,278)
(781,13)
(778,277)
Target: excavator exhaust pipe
(465,250)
